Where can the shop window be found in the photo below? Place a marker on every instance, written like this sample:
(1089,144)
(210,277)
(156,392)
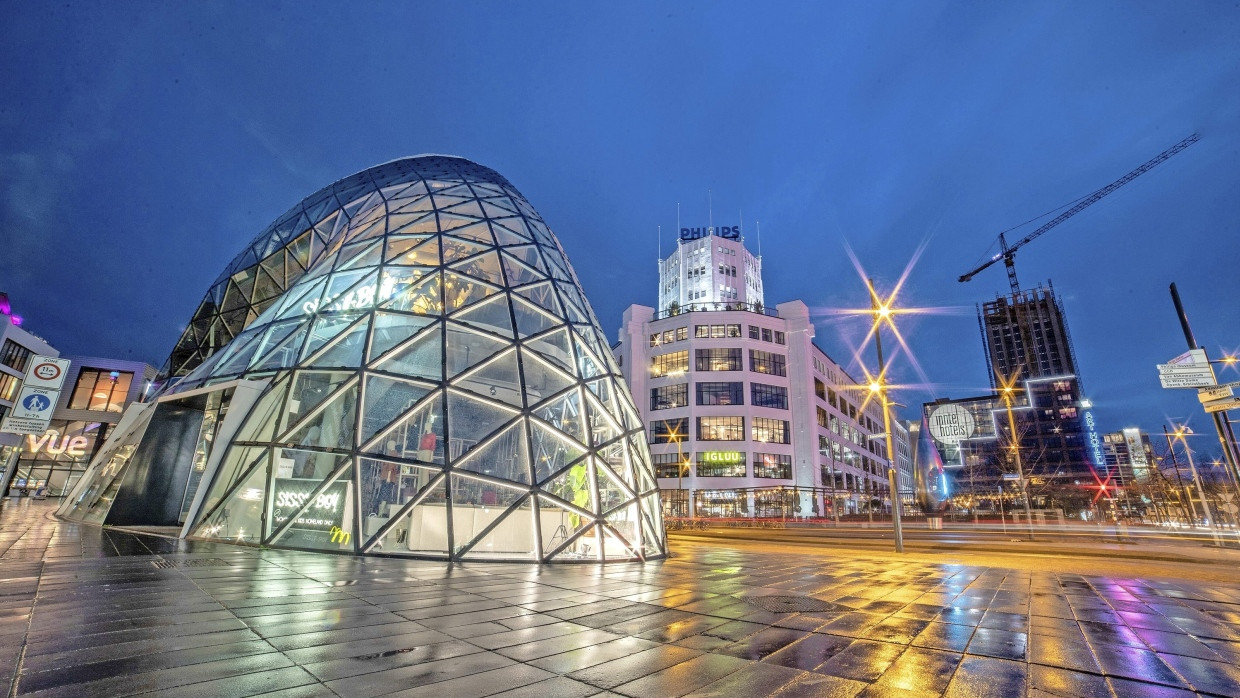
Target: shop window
(772,465)
(721,464)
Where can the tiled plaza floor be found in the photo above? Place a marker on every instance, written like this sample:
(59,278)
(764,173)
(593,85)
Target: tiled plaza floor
(86,611)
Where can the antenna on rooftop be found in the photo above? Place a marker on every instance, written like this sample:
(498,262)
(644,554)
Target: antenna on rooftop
(758,224)
(659,257)
(710,211)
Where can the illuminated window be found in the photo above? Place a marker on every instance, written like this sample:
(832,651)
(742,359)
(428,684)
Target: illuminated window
(100,390)
(772,431)
(666,431)
(721,393)
(772,465)
(665,465)
(8,386)
(718,359)
(767,362)
(668,364)
(820,389)
(14,356)
(721,464)
(720,428)
(682,333)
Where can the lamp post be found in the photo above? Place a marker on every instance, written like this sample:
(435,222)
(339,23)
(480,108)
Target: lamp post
(1009,395)
(1180,433)
(882,313)
(680,470)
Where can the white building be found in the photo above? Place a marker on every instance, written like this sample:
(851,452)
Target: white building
(745,415)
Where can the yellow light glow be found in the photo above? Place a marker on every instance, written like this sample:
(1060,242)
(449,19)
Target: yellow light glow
(875,387)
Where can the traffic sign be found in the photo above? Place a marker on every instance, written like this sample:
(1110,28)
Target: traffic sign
(1192,356)
(1190,380)
(31,412)
(1230,403)
(46,372)
(1219,393)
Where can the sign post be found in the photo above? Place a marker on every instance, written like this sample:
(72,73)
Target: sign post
(35,403)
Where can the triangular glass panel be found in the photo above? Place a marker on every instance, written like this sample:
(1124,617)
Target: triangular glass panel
(564,413)
(411,222)
(239,359)
(413,205)
(314,512)
(265,286)
(587,366)
(398,245)
(368,229)
(469,208)
(557,524)
(391,329)
(346,350)
(611,493)
(421,531)
(528,255)
(244,281)
(357,257)
(473,419)
(542,295)
(309,389)
(386,487)
(552,450)
(326,328)
(238,464)
(498,378)
(301,300)
(332,425)
(467,348)
(620,535)
(542,380)
(416,435)
(260,424)
(239,518)
(503,236)
(583,544)
(454,250)
(516,226)
(450,223)
(503,456)
(483,266)
(491,315)
(511,537)
(423,297)
(421,357)
(386,400)
(424,253)
(531,319)
(553,346)
(461,291)
(233,298)
(520,273)
(283,354)
(492,210)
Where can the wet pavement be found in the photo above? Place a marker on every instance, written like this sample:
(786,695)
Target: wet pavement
(87,611)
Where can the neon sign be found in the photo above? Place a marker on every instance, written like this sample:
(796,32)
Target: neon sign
(1095,441)
(70,445)
(722,457)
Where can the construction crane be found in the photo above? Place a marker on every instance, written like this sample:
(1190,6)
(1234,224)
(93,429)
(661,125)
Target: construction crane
(1007,253)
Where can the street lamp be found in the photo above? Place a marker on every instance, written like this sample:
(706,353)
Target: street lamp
(878,386)
(680,467)
(1180,433)
(1008,392)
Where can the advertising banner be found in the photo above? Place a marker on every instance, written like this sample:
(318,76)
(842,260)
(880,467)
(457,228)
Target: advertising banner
(326,512)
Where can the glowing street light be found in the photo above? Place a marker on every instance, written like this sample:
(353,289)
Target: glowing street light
(1007,390)
(1180,433)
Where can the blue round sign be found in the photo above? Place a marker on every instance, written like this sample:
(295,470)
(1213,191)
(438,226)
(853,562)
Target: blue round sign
(36,402)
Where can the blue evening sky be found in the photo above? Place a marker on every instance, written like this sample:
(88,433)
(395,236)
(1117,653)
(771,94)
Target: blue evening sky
(143,143)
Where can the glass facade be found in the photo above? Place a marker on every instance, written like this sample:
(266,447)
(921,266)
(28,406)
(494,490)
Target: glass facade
(439,385)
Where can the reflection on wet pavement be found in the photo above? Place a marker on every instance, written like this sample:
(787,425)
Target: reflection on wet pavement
(91,611)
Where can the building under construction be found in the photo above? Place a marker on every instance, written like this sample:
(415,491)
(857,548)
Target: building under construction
(1026,335)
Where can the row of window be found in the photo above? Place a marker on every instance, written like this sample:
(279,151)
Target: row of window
(723,464)
(14,356)
(717,332)
(101,390)
(668,336)
(762,430)
(719,393)
(766,334)
(719,359)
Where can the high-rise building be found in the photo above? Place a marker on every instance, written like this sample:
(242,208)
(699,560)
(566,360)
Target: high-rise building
(745,415)
(1025,335)
(1129,456)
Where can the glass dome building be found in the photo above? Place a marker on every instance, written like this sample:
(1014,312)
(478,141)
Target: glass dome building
(428,379)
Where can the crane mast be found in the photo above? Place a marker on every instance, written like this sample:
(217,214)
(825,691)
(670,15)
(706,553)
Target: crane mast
(1007,253)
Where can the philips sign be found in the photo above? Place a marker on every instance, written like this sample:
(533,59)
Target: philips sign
(726,232)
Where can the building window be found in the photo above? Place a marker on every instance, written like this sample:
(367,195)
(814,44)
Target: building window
(716,331)
(753,331)
(779,337)
(100,390)
(762,395)
(767,362)
(682,333)
(766,335)
(669,336)
(669,396)
(665,464)
(831,397)
(822,417)
(8,386)
(771,431)
(655,339)
(666,431)
(720,428)
(718,359)
(701,331)
(772,465)
(721,393)
(668,364)
(721,464)
(820,389)
(14,355)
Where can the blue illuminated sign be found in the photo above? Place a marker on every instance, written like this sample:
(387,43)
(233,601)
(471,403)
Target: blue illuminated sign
(1095,441)
(726,232)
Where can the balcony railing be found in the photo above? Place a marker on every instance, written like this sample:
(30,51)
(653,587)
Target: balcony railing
(715,308)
